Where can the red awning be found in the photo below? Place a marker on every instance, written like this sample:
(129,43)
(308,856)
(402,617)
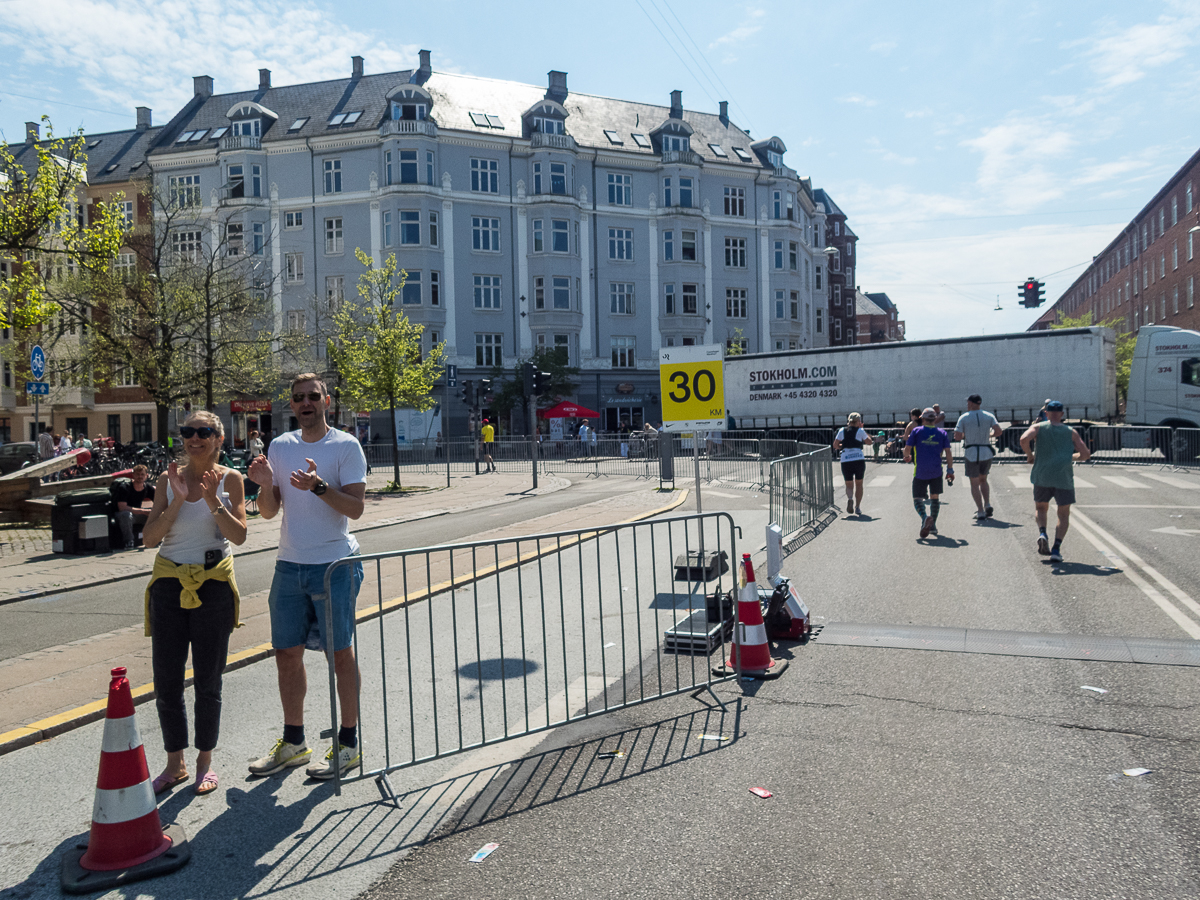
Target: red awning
(568,410)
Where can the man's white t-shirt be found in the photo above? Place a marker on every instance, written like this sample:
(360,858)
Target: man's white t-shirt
(976,427)
(313,532)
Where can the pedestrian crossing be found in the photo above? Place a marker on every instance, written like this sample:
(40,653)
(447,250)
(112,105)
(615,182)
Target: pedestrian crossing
(1125,482)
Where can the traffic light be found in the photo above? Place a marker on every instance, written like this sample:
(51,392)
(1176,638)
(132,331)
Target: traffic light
(485,390)
(541,382)
(527,376)
(467,395)
(1032,292)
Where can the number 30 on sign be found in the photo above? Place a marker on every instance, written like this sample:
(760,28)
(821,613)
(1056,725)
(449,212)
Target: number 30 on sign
(692,387)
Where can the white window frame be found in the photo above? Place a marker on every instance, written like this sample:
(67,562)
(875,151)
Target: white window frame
(410,227)
(735,253)
(485,176)
(488,292)
(485,234)
(294,267)
(332,170)
(489,349)
(620,294)
(293,221)
(620,244)
(736,303)
(334,236)
(735,202)
(620,189)
(624,351)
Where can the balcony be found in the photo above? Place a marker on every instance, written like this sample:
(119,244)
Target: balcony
(240,142)
(785,172)
(426,127)
(681,157)
(539,140)
(233,193)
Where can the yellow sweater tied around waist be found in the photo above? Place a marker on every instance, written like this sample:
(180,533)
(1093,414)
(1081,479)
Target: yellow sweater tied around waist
(191,576)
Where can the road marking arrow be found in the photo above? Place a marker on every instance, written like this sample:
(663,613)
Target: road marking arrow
(1171,529)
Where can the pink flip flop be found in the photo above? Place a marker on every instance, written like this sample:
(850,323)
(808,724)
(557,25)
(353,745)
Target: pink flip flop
(165,782)
(207,784)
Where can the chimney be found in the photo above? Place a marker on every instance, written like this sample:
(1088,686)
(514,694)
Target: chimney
(676,104)
(424,70)
(203,86)
(33,132)
(557,90)
(357,62)
(264,79)
(725,113)
(143,118)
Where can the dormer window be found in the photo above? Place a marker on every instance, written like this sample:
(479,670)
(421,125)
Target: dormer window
(246,119)
(409,111)
(549,126)
(673,143)
(248,127)
(775,159)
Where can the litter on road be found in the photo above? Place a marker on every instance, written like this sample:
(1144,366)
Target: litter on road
(1134,773)
(1088,687)
(761,792)
(483,852)
(716,737)
(612,754)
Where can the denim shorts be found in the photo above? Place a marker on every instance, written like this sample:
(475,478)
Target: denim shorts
(297,603)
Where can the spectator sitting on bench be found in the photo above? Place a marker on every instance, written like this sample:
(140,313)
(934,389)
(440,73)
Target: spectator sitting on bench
(134,502)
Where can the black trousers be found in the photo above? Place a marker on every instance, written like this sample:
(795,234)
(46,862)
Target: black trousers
(205,631)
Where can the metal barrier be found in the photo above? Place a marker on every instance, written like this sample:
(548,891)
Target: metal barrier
(801,488)
(491,640)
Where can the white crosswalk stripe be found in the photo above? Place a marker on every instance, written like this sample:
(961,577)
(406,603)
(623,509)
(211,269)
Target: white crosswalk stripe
(1173,482)
(1122,481)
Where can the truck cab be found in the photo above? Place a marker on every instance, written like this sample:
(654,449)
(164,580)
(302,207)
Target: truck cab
(1164,378)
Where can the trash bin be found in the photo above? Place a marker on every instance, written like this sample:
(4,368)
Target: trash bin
(67,527)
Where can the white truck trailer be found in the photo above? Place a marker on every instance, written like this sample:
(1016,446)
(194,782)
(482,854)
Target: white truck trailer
(808,392)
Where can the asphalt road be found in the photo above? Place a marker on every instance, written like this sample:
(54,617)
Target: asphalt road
(72,615)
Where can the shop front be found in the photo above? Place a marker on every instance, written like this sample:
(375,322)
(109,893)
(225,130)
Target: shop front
(247,416)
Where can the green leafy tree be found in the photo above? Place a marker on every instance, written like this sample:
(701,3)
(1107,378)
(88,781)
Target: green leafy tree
(1126,342)
(41,224)
(190,321)
(509,384)
(377,351)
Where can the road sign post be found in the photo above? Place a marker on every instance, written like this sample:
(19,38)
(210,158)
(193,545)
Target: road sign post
(37,368)
(692,386)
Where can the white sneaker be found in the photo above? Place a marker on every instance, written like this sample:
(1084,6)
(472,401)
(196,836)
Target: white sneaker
(282,756)
(980,515)
(347,758)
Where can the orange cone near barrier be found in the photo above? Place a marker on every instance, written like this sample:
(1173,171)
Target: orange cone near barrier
(750,634)
(127,840)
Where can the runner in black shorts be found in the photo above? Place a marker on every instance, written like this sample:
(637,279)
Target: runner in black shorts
(850,440)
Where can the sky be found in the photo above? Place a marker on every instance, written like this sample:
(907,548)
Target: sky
(971,145)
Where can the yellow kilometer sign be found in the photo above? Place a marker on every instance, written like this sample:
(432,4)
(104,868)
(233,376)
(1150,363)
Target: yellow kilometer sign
(692,387)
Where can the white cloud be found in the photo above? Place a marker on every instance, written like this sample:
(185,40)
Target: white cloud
(127,53)
(1123,56)
(748,28)
(1014,169)
(857,99)
(883,47)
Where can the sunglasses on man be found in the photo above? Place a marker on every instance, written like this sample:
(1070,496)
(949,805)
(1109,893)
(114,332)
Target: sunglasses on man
(204,431)
(314,396)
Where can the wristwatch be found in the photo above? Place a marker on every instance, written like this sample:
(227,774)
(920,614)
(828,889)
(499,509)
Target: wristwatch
(320,487)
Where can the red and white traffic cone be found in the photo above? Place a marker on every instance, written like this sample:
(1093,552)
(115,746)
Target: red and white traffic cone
(750,648)
(127,840)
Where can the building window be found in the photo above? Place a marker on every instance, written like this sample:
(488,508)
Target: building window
(1175,301)
(124,267)
(1162,264)
(485,176)
(539,292)
(620,295)
(234,239)
(735,253)
(669,299)
(296,321)
(487,291)
(795,301)
(293,220)
(487,350)
(294,266)
(485,234)
(435,290)
(1191,291)
(259,238)
(793,255)
(687,246)
(820,324)
(388,173)
(562,293)
(777,204)
(335,291)
(837,329)
(387,228)
(558,178)
(620,243)
(736,345)
(1174,210)
(140,428)
(780,304)
(735,202)
(560,237)
(410,226)
(620,190)
(779,254)
(433,229)
(333,176)
(837,295)
(668,246)
(408,166)
(690,292)
(126,207)
(411,295)
(184,190)
(623,353)
(1175,255)
(735,303)
(666,192)
(429,167)
(685,192)
(1187,198)
(538,244)
(537,177)
(185,245)
(333,236)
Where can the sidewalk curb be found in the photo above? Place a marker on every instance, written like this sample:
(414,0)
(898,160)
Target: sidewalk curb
(4,601)
(45,729)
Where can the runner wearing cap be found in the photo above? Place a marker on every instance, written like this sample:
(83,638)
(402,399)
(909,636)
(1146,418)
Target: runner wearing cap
(1050,447)
(850,441)
(976,427)
(489,444)
(926,446)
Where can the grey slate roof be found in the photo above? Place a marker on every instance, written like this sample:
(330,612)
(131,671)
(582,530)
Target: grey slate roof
(882,300)
(118,156)
(454,98)
(866,305)
(831,208)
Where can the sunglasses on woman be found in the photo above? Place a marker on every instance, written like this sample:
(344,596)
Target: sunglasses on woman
(204,431)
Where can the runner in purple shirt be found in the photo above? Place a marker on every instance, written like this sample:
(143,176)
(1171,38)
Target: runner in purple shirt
(926,446)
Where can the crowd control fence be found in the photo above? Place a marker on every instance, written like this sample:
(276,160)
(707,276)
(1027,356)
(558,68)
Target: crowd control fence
(490,640)
(801,488)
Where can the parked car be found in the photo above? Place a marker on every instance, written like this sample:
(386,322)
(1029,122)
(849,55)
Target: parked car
(17,455)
